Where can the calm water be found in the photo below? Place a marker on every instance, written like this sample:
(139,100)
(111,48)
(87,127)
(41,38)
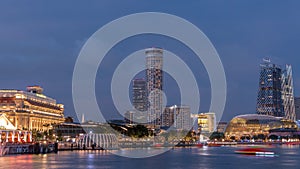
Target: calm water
(212,157)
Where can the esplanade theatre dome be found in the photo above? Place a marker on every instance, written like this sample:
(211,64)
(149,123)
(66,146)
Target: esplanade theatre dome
(251,125)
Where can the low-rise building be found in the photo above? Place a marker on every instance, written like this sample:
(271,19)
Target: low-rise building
(135,117)
(252,125)
(31,109)
(207,122)
(178,116)
(10,134)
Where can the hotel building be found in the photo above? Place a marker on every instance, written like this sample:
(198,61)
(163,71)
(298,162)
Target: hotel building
(207,122)
(31,109)
(154,79)
(178,116)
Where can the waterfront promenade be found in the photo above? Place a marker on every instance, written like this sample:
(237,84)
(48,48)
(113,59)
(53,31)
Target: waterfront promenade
(38,148)
(180,158)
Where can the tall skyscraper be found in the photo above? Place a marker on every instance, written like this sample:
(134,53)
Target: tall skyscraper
(154,78)
(288,94)
(168,117)
(275,94)
(269,101)
(139,94)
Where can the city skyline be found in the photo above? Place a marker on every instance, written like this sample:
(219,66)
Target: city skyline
(45,54)
(150,84)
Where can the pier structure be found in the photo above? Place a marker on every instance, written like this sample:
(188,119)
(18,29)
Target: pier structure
(15,136)
(105,141)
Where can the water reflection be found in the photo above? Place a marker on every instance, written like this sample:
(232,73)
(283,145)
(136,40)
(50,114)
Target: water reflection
(210,157)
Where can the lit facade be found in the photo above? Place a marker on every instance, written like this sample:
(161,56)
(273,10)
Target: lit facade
(288,94)
(178,116)
(253,125)
(154,79)
(10,134)
(31,109)
(99,140)
(139,94)
(207,122)
(276,93)
(68,130)
(269,101)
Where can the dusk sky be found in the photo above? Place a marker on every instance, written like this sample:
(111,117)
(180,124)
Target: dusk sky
(40,42)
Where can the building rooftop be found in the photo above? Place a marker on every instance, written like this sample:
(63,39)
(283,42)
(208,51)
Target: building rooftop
(26,95)
(258,117)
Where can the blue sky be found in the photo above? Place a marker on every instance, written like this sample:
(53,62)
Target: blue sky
(40,42)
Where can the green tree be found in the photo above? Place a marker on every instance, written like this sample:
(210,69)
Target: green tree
(273,137)
(232,138)
(261,136)
(255,137)
(217,135)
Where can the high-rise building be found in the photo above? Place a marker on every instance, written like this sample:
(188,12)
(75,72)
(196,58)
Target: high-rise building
(275,95)
(297,107)
(182,117)
(178,116)
(135,117)
(288,94)
(154,78)
(269,101)
(139,94)
(168,117)
(207,122)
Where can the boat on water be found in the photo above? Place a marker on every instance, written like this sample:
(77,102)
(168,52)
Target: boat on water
(293,143)
(200,145)
(254,151)
(157,145)
(214,145)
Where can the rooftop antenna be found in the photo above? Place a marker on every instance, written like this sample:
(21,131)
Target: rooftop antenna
(267,60)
